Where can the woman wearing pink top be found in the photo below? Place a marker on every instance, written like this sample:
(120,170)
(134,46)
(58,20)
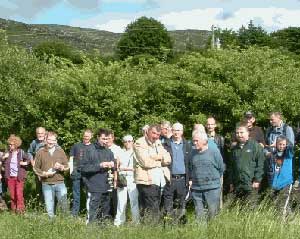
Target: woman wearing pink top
(16,164)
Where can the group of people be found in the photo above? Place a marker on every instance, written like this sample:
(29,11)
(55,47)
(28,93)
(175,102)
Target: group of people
(158,172)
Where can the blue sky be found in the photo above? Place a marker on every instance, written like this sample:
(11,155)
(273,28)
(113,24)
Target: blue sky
(114,15)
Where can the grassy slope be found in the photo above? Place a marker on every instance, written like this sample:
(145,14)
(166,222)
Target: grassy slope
(87,39)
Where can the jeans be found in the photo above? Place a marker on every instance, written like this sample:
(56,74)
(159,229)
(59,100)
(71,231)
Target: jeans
(132,192)
(209,198)
(50,191)
(76,196)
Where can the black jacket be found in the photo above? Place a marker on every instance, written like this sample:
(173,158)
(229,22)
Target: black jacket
(95,177)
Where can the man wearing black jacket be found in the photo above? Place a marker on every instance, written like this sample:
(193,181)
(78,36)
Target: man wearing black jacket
(176,189)
(95,169)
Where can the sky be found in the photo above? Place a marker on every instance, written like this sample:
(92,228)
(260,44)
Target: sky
(114,15)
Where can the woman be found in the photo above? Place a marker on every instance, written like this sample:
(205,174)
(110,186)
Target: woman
(125,167)
(15,172)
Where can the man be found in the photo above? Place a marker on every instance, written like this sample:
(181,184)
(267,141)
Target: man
(206,169)
(117,152)
(246,166)
(95,170)
(176,188)
(50,164)
(166,131)
(77,153)
(151,172)
(277,128)
(37,143)
(213,136)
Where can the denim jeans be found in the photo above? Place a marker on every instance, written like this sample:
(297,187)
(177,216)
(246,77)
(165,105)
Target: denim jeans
(50,191)
(76,196)
(209,198)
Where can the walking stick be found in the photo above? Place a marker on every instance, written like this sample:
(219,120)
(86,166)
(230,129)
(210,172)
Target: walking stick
(287,202)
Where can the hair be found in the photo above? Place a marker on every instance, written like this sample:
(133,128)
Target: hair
(42,128)
(276,113)
(51,133)
(242,124)
(16,140)
(281,138)
(88,131)
(154,126)
(103,131)
(202,135)
(111,132)
(199,127)
(165,122)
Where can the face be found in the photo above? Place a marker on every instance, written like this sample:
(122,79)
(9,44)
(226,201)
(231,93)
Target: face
(51,141)
(177,134)
(110,140)
(12,147)
(275,120)
(87,136)
(102,140)
(153,135)
(281,145)
(40,134)
(211,125)
(199,143)
(250,122)
(164,130)
(242,134)
(128,144)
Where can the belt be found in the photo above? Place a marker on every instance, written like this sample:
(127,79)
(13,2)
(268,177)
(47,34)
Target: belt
(178,176)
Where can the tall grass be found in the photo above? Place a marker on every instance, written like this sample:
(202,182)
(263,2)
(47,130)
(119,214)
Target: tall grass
(230,223)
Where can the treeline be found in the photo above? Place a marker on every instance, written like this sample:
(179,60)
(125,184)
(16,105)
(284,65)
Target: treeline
(125,95)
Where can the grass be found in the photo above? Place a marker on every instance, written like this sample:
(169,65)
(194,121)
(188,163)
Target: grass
(230,223)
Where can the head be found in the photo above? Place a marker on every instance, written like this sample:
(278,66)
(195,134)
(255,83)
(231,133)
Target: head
(199,127)
(153,133)
(166,130)
(200,140)
(275,119)
(242,133)
(102,136)
(40,133)
(249,119)
(211,125)
(177,131)
(128,142)
(281,143)
(14,142)
(51,139)
(110,138)
(87,136)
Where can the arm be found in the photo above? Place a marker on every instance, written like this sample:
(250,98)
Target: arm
(290,135)
(259,169)
(37,166)
(144,159)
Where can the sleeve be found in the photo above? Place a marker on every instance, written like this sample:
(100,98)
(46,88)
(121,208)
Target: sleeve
(229,168)
(65,161)
(290,135)
(31,150)
(144,159)
(260,161)
(37,165)
(219,162)
(190,165)
(260,136)
(166,160)
(90,165)
(72,151)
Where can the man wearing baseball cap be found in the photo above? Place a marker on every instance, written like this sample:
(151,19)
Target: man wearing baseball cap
(255,132)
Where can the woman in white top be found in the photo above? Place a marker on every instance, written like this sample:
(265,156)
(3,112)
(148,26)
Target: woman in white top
(125,167)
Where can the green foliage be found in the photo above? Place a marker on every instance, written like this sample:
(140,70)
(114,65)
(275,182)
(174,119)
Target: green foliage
(145,36)
(288,38)
(49,49)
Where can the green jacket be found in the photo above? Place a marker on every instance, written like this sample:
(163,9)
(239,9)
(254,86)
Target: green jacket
(246,165)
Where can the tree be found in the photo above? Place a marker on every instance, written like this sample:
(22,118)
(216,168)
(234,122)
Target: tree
(145,36)
(228,37)
(253,35)
(57,48)
(288,38)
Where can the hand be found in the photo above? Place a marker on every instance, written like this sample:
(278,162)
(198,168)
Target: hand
(59,166)
(157,157)
(5,155)
(190,183)
(107,164)
(255,185)
(48,174)
(23,163)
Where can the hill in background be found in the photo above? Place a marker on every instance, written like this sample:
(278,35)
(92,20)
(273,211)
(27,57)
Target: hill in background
(29,35)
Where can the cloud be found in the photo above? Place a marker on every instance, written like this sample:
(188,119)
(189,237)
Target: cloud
(28,9)
(118,25)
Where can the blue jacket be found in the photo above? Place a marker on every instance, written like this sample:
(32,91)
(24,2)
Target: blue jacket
(280,177)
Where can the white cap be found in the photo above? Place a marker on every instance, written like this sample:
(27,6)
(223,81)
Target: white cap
(177,126)
(127,138)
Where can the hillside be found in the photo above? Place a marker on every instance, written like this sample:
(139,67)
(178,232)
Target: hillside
(28,35)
